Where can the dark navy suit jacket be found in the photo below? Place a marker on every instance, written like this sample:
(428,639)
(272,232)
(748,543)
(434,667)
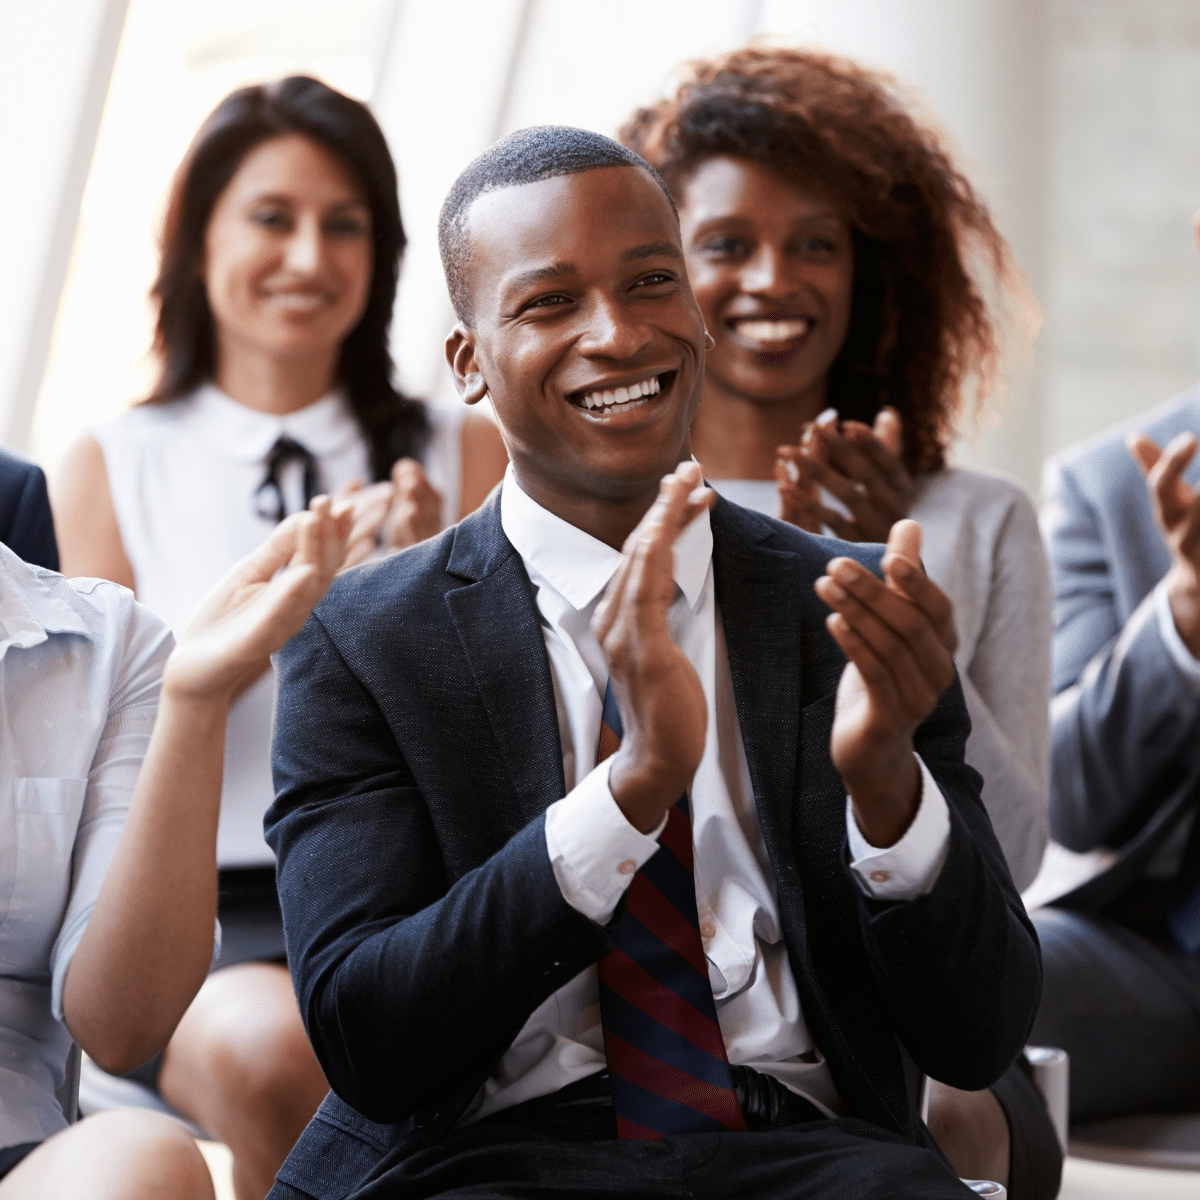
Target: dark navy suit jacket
(416,751)
(26,523)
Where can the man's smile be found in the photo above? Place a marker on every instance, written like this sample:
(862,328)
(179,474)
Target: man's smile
(609,397)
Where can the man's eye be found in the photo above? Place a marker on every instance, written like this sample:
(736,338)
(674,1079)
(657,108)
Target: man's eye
(655,279)
(551,301)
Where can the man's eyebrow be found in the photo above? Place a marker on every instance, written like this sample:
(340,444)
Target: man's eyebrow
(540,275)
(651,250)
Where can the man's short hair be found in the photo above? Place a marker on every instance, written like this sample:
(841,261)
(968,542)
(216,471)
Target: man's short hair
(527,156)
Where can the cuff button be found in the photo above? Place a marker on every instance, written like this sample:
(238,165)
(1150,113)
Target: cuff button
(627,866)
(880,876)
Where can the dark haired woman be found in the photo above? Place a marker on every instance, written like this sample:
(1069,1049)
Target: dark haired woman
(280,257)
(827,237)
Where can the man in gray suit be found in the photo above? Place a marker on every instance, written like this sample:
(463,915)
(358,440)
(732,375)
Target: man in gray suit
(1121,520)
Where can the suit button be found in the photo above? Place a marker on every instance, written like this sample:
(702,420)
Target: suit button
(426,1116)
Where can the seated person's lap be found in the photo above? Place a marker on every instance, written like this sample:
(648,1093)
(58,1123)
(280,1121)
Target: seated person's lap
(1125,1009)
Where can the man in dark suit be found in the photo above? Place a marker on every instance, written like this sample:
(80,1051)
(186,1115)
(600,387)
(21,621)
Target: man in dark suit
(26,523)
(1122,525)
(522,972)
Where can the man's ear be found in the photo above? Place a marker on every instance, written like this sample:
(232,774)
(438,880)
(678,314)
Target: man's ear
(460,354)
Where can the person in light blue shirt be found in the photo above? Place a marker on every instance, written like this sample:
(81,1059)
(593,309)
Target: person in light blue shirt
(111,749)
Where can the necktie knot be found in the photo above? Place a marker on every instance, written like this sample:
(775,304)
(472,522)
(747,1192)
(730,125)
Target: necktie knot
(269,501)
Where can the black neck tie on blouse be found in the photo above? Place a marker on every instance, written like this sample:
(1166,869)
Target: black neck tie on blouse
(268,496)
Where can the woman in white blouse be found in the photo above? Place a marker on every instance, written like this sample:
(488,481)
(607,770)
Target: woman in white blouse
(280,257)
(828,239)
(110,784)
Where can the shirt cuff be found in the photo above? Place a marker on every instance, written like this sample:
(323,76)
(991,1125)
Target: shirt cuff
(593,849)
(1180,654)
(911,867)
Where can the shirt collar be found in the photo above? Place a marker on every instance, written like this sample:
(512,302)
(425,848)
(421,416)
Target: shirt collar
(29,610)
(324,427)
(579,566)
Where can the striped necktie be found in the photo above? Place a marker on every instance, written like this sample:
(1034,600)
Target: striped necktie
(666,1056)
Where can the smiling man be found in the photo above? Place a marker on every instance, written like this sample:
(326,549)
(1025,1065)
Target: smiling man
(612,862)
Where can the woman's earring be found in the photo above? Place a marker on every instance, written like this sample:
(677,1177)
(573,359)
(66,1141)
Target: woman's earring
(710,342)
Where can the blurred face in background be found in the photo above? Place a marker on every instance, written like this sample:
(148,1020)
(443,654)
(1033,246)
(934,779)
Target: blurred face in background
(772,264)
(288,255)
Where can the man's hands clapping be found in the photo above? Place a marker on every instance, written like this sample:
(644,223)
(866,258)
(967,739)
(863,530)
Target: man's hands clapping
(899,636)
(1177,510)
(658,692)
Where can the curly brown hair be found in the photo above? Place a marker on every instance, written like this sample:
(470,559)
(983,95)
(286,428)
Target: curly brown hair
(920,337)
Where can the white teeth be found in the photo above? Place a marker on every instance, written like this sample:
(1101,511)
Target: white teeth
(773,331)
(623,395)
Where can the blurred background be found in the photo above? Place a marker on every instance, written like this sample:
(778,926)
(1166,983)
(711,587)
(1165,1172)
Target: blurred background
(1075,118)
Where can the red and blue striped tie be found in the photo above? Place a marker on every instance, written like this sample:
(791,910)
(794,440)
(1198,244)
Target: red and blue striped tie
(666,1056)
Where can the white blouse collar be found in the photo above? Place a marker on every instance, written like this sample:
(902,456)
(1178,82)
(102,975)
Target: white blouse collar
(247,435)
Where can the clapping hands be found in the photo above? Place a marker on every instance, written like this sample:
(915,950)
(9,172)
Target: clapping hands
(1177,511)
(658,692)
(860,465)
(899,635)
(258,606)
(392,514)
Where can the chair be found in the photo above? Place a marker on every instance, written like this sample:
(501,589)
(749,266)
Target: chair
(1050,1070)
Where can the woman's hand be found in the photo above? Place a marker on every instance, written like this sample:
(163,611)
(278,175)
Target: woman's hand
(393,514)
(861,466)
(259,605)
(416,509)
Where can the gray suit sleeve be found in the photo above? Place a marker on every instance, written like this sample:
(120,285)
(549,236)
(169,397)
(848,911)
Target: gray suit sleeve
(1124,713)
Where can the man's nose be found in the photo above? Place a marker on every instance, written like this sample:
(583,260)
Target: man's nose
(612,330)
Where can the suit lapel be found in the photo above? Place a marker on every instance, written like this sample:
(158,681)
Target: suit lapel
(754,587)
(497,622)
(784,679)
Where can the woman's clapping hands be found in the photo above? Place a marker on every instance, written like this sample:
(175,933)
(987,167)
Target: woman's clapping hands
(858,464)
(259,605)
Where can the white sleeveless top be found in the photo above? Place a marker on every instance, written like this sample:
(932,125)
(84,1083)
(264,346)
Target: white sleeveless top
(183,477)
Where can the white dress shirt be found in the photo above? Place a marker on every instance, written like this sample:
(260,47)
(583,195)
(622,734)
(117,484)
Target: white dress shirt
(595,851)
(80,668)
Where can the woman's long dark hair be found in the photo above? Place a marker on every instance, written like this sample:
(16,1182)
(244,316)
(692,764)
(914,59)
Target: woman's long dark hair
(185,340)
(920,338)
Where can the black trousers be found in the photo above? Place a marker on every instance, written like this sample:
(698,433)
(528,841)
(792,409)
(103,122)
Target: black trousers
(574,1153)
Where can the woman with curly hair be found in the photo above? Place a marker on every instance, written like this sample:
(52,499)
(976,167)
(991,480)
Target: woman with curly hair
(830,240)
